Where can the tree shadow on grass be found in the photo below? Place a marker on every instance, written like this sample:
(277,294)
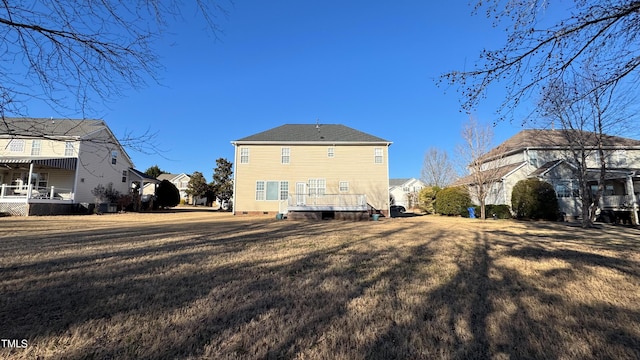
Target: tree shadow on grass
(286,290)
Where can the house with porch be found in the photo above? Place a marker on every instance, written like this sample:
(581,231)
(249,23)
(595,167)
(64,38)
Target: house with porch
(50,166)
(311,171)
(404,192)
(546,155)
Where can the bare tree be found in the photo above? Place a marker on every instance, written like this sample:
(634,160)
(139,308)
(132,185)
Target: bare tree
(587,118)
(437,168)
(71,54)
(603,33)
(483,164)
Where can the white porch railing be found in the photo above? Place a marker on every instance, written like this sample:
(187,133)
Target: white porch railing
(27,192)
(356,201)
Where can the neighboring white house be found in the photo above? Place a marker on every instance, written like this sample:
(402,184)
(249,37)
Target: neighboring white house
(545,154)
(404,192)
(50,166)
(181,182)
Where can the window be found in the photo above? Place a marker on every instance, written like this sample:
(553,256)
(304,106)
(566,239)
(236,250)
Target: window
(114,157)
(343,186)
(244,155)
(39,180)
(124,176)
(16,145)
(284,190)
(620,158)
(317,187)
(533,158)
(68,148)
(566,189)
(259,190)
(36,145)
(377,155)
(272,190)
(331,152)
(286,152)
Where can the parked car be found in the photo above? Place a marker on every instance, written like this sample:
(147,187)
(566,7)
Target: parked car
(398,208)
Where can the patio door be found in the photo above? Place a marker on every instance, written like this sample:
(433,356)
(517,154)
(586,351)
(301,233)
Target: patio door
(301,193)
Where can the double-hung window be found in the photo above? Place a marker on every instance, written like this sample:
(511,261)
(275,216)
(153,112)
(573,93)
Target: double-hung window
(36,145)
(244,155)
(343,186)
(331,152)
(260,190)
(68,148)
(286,155)
(377,155)
(317,187)
(16,146)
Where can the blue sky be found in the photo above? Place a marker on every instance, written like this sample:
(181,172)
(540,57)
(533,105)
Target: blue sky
(370,65)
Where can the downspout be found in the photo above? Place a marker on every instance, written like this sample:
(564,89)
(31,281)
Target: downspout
(235,173)
(75,178)
(388,193)
(634,205)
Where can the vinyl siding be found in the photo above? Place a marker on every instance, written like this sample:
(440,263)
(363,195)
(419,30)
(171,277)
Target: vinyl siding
(351,163)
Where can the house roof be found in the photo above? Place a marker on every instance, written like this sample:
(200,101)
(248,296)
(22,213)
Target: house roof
(496,174)
(27,127)
(398,182)
(560,138)
(170,177)
(313,133)
(542,170)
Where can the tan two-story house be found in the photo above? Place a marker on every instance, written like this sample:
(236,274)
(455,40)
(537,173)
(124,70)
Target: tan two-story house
(311,171)
(51,166)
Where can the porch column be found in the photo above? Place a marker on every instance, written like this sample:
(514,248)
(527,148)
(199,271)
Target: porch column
(29,184)
(632,196)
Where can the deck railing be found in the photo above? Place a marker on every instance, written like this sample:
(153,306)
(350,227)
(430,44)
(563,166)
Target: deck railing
(35,192)
(336,200)
(616,201)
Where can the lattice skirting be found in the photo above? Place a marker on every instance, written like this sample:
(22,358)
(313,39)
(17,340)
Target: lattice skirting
(14,209)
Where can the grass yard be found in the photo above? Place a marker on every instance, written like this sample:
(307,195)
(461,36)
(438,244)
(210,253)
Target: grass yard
(209,285)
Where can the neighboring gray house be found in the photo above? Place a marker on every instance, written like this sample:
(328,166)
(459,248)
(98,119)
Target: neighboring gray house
(404,192)
(545,154)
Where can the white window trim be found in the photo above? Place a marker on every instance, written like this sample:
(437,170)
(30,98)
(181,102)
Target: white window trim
(264,190)
(16,146)
(285,153)
(242,155)
(331,152)
(36,147)
(69,148)
(345,187)
(377,157)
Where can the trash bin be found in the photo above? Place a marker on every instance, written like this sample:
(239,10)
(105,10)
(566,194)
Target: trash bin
(472,213)
(279,216)
(375,217)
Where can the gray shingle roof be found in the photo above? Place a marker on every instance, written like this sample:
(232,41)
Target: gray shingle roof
(49,127)
(543,138)
(312,132)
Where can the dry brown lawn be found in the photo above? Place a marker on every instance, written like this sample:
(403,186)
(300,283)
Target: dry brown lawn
(209,285)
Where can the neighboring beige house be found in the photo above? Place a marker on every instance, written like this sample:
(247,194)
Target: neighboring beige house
(50,166)
(181,182)
(311,171)
(545,154)
(404,192)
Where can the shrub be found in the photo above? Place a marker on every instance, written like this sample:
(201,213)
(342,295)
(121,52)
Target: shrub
(167,194)
(427,199)
(502,211)
(534,199)
(453,201)
(105,193)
